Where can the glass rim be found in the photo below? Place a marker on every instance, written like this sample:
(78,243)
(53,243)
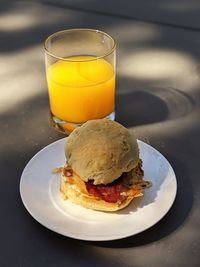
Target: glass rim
(79,29)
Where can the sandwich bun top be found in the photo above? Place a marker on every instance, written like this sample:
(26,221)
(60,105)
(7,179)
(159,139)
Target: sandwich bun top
(101,150)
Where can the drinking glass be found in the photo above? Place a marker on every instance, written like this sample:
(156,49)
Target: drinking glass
(80,72)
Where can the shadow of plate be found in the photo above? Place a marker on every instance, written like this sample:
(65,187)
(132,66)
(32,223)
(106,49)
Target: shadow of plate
(170,222)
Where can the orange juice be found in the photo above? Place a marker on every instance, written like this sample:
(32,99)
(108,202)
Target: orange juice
(81,88)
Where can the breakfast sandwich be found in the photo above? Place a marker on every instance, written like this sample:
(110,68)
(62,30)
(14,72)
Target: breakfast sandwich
(103,169)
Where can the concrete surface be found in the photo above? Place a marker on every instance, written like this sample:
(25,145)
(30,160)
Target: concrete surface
(174,13)
(158,97)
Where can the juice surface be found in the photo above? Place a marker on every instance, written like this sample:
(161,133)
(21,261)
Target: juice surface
(81,90)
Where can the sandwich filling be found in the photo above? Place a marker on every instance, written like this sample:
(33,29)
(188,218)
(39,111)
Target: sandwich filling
(128,185)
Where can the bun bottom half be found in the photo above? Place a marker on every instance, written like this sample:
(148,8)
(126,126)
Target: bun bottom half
(73,193)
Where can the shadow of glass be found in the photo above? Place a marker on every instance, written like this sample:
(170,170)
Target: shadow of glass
(179,103)
(140,107)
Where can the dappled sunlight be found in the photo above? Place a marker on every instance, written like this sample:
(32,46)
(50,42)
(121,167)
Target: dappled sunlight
(19,18)
(20,89)
(16,74)
(180,6)
(29,58)
(138,32)
(12,22)
(157,93)
(157,64)
(157,98)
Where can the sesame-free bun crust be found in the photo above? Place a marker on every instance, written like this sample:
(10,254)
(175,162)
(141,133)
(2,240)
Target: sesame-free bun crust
(101,150)
(73,193)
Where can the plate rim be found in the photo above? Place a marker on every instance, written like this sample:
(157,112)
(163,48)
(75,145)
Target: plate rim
(85,237)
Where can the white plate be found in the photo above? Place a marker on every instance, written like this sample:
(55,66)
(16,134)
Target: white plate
(40,194)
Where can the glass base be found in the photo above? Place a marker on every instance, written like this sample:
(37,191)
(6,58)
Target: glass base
(67,127)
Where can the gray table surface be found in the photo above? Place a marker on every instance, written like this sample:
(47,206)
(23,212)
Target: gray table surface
(158,97)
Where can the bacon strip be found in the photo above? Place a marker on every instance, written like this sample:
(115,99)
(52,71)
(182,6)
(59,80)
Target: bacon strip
(110,193)
(128,185)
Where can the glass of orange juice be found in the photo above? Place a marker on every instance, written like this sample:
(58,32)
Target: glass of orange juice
(80,71)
